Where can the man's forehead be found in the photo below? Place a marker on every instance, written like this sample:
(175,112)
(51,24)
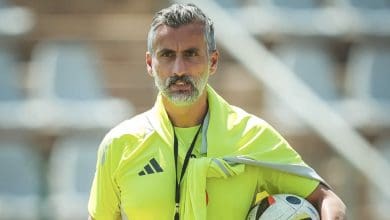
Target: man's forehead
(184,35)
(194,27)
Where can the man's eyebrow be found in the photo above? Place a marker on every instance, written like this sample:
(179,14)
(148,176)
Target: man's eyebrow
(165,50)
(192,49)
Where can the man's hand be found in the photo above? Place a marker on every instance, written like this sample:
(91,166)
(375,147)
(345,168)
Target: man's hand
(328,204)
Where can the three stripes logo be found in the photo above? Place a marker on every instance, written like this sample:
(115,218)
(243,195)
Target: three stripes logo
(151,167)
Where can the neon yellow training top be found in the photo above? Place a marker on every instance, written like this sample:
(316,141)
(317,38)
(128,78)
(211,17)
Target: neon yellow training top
(237,156)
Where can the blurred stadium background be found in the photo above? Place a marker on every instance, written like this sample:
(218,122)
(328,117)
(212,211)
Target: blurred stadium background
(70,70)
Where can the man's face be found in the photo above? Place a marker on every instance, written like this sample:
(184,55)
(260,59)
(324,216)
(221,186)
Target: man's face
(180,63)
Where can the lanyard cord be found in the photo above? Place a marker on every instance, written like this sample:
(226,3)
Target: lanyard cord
(183,170)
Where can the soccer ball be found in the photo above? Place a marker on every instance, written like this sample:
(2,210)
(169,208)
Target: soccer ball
(283,207)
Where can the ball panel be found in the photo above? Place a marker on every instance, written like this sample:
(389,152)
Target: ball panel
(293,200)
(283,207)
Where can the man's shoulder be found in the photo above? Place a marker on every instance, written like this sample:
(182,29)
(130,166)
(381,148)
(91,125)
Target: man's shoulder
(136,127)
(241,115)
(124,138)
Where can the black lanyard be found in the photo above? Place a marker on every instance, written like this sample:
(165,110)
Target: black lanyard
(183,169)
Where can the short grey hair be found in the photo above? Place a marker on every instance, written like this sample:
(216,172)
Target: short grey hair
(181,14)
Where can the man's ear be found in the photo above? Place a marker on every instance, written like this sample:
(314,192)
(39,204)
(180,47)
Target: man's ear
(214,56)
(148,61)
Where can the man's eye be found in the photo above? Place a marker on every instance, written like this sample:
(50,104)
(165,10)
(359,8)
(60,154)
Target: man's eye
(167,54)
(191,53)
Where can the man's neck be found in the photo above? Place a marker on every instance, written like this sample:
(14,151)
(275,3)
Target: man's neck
(187,116)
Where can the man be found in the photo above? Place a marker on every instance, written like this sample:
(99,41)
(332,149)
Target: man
(194,156)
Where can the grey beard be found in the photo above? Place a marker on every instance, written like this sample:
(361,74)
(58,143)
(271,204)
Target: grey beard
(181,98)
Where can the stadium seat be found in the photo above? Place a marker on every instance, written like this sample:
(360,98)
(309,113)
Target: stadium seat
(72,166)
(297,4)
(372,17)
(66,80)
(78,76)
(367,82)
(313,64)
(295,18)
(20,180)
(12,96)
(9,77)
(3,3)
(228,4)
(370,4)
(371,63)
(15,20)
(66,70)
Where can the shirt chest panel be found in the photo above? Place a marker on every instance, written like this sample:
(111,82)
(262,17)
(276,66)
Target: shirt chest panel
(146,182)
(232,198)
(147,190)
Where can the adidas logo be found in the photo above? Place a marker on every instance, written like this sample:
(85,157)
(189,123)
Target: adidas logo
(151,167)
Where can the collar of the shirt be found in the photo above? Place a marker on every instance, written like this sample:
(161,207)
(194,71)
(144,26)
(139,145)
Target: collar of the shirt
(216,113)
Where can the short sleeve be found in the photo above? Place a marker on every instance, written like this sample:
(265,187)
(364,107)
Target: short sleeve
(278,182)
(104,200)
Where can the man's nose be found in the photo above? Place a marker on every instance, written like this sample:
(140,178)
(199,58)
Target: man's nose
(179,66)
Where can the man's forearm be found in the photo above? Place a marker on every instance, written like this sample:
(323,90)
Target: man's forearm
(327,203)
(332,207)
